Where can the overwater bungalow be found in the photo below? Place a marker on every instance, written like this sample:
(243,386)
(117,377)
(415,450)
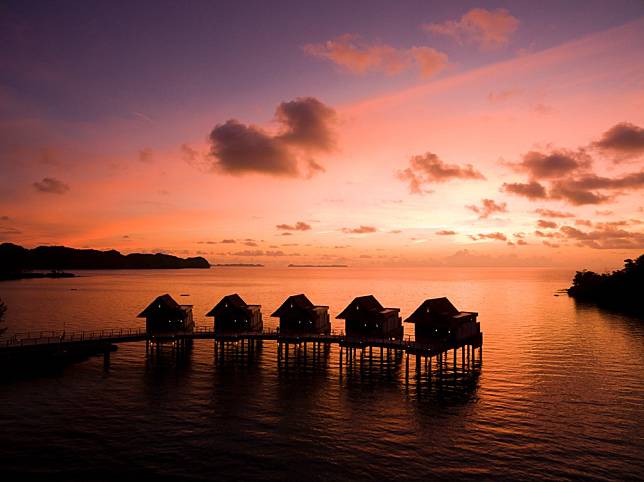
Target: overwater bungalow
(233,315)
(438,318)
(298,316)
(365,317)
(165,316)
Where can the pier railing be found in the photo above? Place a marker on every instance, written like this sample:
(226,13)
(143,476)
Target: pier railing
(121,335)
(51,337)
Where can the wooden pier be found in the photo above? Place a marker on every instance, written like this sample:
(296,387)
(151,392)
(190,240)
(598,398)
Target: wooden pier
(39,344)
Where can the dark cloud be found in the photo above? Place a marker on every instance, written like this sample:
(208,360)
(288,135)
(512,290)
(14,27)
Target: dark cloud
(299,226)
(607,237)
(429,169)
(488,207)
(521,242)
(553,164)
(313,168)
(634,180)
(146,155)
(51,185)
(502,95)
(551,245)
(549,213)
(359,230)
(549,234)
(239,148)
(228,241)
(583,222)
(531,190)
(625,140)
(308,123)
(258,252)
(576,195)
(4,218)
(9,231)
(287,234)
(546,224)
(445,232)
(497,236)
(569,176)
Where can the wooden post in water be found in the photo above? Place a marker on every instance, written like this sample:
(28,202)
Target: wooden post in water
(106,357)
(463,359)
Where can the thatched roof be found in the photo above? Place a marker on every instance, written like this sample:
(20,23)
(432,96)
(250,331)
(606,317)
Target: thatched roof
(162,303)
(234,301)
(435,308)
(300,302)
(366,304)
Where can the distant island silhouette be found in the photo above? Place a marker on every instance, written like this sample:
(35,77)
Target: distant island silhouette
(318,266)
(17,262)
(237,265)
(621,290)
(16,275)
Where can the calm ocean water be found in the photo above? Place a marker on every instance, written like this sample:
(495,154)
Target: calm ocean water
(559,394)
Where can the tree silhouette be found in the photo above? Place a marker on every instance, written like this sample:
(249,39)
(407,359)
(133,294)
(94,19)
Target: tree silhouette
(3,310)
(621,289)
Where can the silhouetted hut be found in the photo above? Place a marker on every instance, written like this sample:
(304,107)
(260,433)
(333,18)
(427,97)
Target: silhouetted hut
(233,315)
(438,318)
(165,316)
(365,317)
(298,316)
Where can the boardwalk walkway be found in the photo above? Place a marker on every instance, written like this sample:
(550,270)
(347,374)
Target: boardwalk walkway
(44,341)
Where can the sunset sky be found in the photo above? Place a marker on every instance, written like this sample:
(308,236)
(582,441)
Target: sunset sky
(366,133)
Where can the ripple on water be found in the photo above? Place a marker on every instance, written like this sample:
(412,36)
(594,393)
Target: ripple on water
(559,394)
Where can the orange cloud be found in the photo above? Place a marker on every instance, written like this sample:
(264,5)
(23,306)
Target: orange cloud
(299,226)
(488,28)
(349,52)
(359,230)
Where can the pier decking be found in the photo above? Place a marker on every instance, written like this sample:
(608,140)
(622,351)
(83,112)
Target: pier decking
(43,342)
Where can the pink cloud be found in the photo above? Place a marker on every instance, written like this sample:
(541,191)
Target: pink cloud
(489,29)
(351,53)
